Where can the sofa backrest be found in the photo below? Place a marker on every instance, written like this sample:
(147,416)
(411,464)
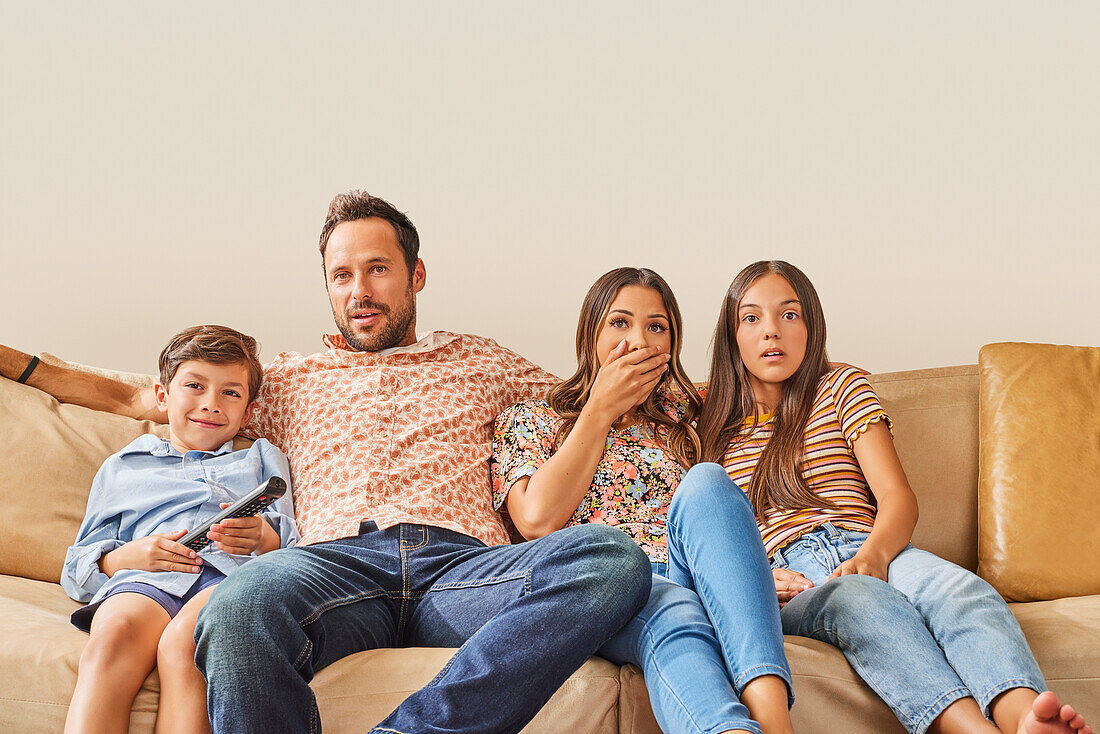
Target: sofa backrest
(50,452)
(935,416)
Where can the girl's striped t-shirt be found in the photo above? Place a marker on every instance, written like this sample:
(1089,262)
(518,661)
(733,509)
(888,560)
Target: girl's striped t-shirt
(844,407)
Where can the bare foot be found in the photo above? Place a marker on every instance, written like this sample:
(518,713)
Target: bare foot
(1048,716)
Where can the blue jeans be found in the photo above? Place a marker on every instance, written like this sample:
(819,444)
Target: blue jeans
(525,617)
(712,625)
(931,635)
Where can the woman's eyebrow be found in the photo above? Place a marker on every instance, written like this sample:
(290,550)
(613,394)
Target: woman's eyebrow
(781,303)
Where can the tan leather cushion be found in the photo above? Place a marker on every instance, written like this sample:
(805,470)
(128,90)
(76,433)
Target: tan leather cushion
(935,416)
(1039,485)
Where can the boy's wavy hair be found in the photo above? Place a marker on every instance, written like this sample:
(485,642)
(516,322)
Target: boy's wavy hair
(729,415)
(569,397)
(216,345)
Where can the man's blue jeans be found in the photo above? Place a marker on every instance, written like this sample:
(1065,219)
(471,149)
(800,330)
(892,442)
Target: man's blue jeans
(930,635)
(712,625)
(525,618)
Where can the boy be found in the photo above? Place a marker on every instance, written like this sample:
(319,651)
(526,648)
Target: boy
(145,588)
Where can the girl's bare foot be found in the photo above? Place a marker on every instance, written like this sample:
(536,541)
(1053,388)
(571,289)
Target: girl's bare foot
(1049,716)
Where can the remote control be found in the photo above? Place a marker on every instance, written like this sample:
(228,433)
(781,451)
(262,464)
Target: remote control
(255,501)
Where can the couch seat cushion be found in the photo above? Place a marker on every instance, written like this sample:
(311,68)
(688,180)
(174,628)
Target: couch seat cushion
(42,649)
(41,652)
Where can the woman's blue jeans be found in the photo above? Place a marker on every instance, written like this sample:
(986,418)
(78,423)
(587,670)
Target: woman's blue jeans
(524,617)
(932,634)
(712,625)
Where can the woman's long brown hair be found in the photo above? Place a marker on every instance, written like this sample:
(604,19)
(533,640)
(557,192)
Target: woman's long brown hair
(730,402)
(568,398)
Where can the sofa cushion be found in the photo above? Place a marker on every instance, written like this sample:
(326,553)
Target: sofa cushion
(935,417)
(130,378)
(587,703)
(1064,635)
(1040,470)
(41,651)
(46,470)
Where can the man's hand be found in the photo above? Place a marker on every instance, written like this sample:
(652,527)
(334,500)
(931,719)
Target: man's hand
(158,552)
(864,564)
(243,535)
(788,584)
(626,380)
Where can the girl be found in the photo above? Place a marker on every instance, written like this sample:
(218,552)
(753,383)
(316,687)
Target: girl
(812,448)
(609,446)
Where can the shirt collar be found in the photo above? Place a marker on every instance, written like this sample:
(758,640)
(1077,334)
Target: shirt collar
(426,341)
(156,446)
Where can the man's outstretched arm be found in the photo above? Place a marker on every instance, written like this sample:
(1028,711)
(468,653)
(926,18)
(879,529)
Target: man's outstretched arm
(82,388)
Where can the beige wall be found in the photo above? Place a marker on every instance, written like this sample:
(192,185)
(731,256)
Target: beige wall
(934,167)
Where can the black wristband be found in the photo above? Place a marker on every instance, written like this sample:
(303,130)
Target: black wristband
(27,372)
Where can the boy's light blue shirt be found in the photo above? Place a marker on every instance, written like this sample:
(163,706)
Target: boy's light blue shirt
(149,487)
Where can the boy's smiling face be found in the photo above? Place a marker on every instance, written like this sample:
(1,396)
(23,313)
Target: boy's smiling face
(206,404)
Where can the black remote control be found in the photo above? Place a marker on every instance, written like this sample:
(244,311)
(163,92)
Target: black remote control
(255,501)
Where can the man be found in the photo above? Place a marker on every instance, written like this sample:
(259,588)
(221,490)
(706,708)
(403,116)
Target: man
(388,438)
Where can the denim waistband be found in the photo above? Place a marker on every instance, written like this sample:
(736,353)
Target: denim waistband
(830,531)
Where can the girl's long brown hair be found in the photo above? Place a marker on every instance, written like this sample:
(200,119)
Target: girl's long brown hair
(730,402)
(568,398)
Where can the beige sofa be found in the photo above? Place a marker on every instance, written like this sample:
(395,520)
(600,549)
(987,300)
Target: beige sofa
(49,452)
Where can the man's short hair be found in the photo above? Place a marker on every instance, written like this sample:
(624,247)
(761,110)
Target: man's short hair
(358,204)
(216,345)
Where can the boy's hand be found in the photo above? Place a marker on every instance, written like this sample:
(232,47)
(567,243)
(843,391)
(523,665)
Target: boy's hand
(158,552)
(243,535)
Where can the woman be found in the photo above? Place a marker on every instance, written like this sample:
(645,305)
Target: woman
(610,445)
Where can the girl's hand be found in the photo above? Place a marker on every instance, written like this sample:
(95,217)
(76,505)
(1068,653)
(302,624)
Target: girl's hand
(626,380)
(788,584)
(158,552)
(239,535)
(864,564)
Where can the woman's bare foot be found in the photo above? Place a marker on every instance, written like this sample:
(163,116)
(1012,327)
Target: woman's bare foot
(1049,716)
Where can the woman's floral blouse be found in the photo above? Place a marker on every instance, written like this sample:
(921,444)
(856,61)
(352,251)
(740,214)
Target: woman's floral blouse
(634,480)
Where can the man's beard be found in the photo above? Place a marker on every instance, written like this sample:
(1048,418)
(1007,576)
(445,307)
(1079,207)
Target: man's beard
(396,328)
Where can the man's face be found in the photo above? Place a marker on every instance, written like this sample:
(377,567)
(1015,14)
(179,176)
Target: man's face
(369,286)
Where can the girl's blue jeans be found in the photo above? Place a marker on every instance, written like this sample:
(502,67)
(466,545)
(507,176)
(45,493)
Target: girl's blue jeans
(713,624)
(932,634)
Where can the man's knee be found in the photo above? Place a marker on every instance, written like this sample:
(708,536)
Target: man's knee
(608,562)
(243,601)
(615,547)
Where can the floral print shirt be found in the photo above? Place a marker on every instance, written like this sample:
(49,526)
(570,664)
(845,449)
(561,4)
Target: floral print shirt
(633,484)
